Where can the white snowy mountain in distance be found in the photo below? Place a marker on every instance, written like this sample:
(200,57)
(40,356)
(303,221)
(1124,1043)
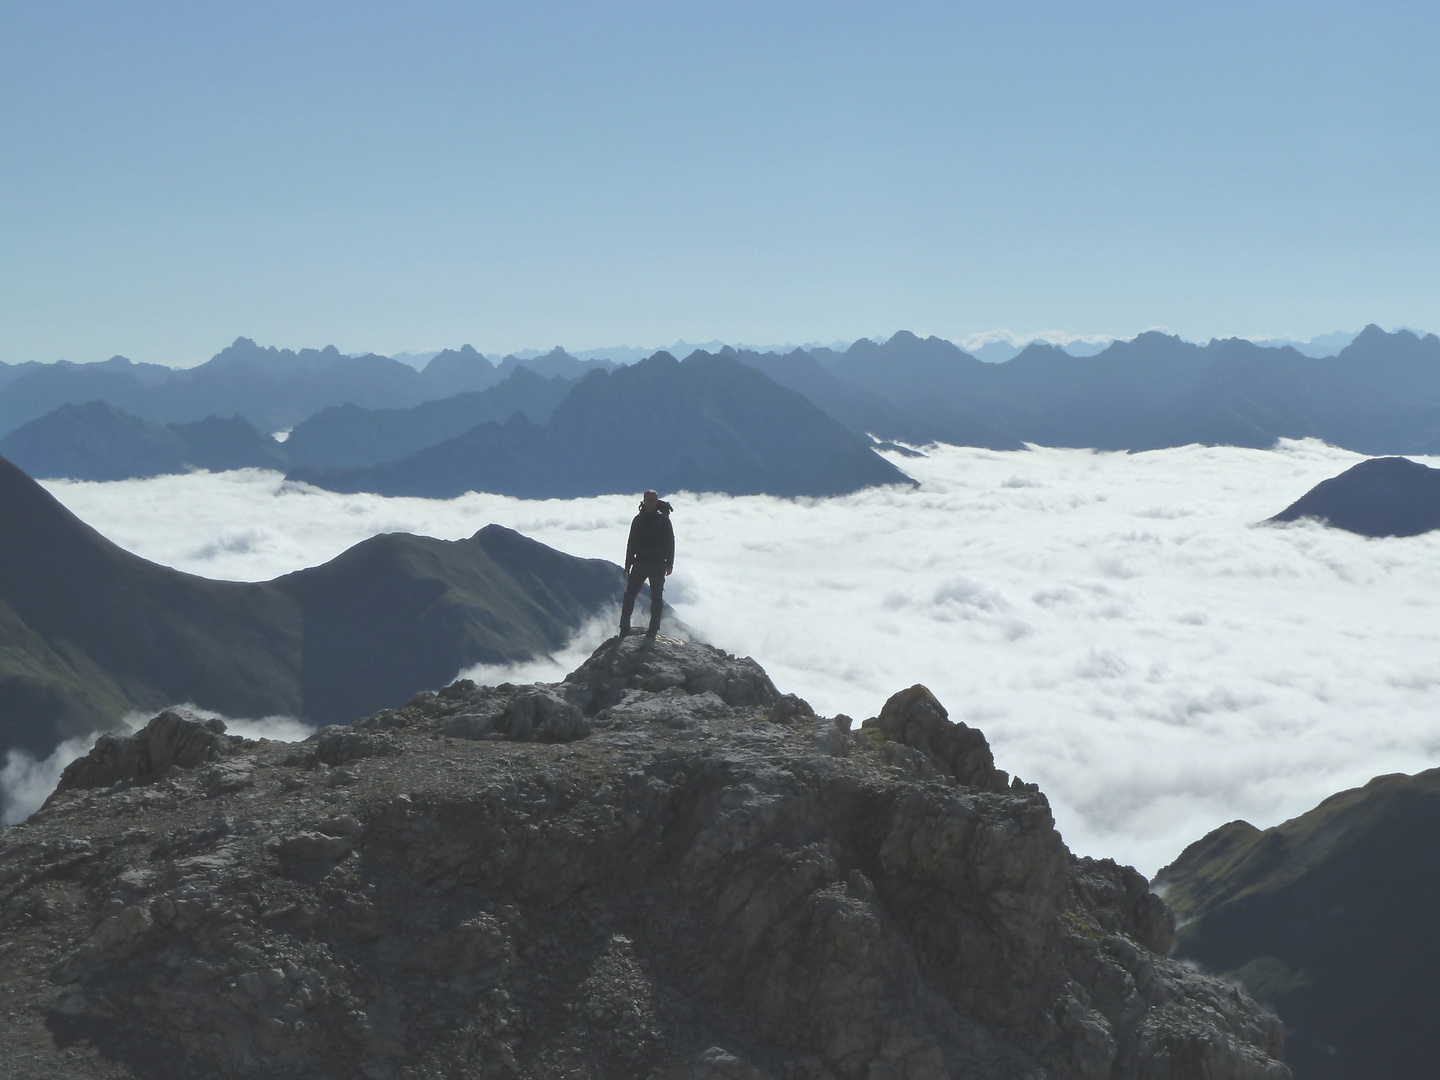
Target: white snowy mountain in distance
(1317,347)
(999,346)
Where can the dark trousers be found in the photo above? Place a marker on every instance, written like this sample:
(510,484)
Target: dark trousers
(655,571)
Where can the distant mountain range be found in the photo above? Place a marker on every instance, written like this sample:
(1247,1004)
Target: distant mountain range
(347,435)
(90,632)
(97,441)
(1380,497)
(274,389)
(1331,919)
(708,424)
(1379,395)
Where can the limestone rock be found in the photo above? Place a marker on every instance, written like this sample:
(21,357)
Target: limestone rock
(660,868)
(915,718)
(636,663)
(174,737)
(541,715)
(338,745)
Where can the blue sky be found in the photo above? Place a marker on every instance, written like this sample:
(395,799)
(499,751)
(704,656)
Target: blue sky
(388,177)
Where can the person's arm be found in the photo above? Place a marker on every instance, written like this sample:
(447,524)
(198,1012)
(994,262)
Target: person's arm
(630,548)
(669,545)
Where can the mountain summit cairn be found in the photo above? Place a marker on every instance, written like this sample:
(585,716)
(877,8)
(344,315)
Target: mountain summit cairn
(660,867)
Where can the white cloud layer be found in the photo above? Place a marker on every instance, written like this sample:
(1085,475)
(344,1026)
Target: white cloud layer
(1116,624)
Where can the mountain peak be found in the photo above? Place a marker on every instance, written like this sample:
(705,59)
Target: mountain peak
(1389,496)
(591,878)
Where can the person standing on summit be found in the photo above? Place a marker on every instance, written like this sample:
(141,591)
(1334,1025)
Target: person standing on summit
(650,554)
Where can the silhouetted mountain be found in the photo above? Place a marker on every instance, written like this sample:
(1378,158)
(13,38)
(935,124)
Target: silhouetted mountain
(347,435)
(859,410)
(45,387)
(100,442)
(272,388)
(709,424)
(1331,919)
(557,362)
(275,389)
(935,385)
(1106,401)
(457,371)
(1380,497)
(92,632)
(1381,394)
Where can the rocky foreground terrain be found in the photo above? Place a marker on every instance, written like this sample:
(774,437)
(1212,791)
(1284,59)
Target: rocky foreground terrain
(658,868)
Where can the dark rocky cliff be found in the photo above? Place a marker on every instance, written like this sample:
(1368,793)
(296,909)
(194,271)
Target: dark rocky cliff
(661,867)
(90,632)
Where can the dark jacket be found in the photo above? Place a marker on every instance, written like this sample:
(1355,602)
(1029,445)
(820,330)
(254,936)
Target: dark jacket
(651,538)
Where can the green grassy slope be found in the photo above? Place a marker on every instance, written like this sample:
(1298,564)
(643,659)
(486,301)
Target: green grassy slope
(1333,918)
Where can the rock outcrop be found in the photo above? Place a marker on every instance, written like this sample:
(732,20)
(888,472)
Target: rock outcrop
(660,867)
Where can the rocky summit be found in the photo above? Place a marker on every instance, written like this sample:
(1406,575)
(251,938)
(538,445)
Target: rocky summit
(661,867)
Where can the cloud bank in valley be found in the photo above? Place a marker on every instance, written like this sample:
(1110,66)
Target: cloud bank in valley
(1117,624)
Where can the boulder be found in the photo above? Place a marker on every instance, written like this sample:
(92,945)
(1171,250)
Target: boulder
(915,718)
(174,737)
(638,663)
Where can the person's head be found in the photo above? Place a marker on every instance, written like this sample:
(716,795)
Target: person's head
(650,500)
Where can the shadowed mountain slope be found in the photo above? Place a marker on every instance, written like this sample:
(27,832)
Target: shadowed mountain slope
(1380,394)
(97,441)
(556,363)
(89,632)
(1329,917)
(272,388)
(938,388)
(709,424)
(347,435)
(1380,497)
(856,408)
(457,371)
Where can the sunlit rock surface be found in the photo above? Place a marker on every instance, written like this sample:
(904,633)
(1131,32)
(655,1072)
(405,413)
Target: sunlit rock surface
(660,867)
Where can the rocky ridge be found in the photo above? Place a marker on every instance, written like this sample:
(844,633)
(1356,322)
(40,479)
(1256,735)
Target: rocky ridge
(660,867)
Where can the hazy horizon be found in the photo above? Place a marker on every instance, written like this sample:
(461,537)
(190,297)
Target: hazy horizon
(993,346)
(394,177)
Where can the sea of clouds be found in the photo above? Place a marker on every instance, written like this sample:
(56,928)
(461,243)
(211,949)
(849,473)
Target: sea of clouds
(1118,625)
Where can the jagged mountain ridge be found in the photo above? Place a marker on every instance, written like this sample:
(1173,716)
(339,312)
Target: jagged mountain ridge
(345,436)
(708,424)
(1330,918)
(99,442)
(1379,395)
(91,632)
(274,389)
(659,868)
